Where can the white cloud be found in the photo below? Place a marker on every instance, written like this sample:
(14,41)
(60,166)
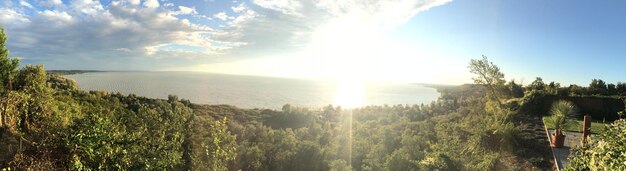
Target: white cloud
(50,3)
(87,6)
(84,33)
(125,34)
(221,15)
(239,8)
(134,2)
(56,16)
(10,17)
(151,3)
(26,4)
(122,49)
(290,7)
(185,10)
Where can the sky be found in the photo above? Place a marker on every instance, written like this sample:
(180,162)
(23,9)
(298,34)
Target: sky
(427,41)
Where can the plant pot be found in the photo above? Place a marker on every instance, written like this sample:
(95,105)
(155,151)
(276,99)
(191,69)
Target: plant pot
(557,140)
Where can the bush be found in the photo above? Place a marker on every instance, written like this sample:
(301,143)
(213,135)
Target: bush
(606,151)
(561,112)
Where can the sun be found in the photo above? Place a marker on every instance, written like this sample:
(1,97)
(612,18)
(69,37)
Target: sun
(350,94)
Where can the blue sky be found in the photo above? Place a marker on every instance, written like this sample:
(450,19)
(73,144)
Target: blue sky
(564,41)
(406,40)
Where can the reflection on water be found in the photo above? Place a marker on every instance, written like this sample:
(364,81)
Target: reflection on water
(254,91)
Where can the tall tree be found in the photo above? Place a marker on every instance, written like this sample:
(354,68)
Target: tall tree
(577,90)
(621,88)
(598,87)
(489,75)
(7,66)
(7,73)
(39,106)
(611,89)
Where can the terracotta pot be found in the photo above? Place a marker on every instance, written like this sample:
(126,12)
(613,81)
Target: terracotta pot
(557,140)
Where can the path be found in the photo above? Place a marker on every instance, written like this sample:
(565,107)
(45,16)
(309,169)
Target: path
(572,139)
(535,140)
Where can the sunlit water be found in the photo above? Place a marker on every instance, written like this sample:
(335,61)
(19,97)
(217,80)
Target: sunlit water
(253,91)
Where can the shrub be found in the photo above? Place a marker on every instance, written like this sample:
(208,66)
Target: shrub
(606,151)
(562,112)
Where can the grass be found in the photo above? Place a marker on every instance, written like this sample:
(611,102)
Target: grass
(577,126)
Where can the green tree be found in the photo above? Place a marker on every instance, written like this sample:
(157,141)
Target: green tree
(621,88)
(489,75)
(537,84)
(611,89)
(553,87)
(38,107)
(516,90)
(7,66)
(577,90)
(598,87)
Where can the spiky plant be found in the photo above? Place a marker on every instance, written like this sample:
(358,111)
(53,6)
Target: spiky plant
(561,112)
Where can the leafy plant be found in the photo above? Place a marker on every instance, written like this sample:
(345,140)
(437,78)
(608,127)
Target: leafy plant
(605,151)
(561,114)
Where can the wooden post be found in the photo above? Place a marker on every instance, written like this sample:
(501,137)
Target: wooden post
(586,129)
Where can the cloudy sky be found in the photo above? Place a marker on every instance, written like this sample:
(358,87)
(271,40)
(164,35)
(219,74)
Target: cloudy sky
(401,40)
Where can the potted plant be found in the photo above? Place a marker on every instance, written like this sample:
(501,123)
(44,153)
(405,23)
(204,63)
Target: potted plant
(561,114)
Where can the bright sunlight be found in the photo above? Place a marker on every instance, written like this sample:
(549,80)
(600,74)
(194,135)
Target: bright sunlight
(350,94)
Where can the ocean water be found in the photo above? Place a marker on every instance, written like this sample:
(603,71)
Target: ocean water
(252,91)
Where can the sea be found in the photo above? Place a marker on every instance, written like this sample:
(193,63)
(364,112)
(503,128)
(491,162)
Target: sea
(252,91)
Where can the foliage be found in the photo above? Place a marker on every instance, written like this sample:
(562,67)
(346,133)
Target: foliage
(606,151)
(8,66)
(517,90)
(488,74)
(598,87)
(553,87)
(48,123)
(561,114)
(339,165)
(537,84)
(221,148)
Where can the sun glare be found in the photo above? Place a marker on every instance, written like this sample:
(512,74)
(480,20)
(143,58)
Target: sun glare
(350,94)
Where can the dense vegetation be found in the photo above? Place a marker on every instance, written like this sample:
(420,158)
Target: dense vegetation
(48,123)
(597,87)
(607,151)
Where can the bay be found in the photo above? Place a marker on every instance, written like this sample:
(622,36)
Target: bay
(248,91)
